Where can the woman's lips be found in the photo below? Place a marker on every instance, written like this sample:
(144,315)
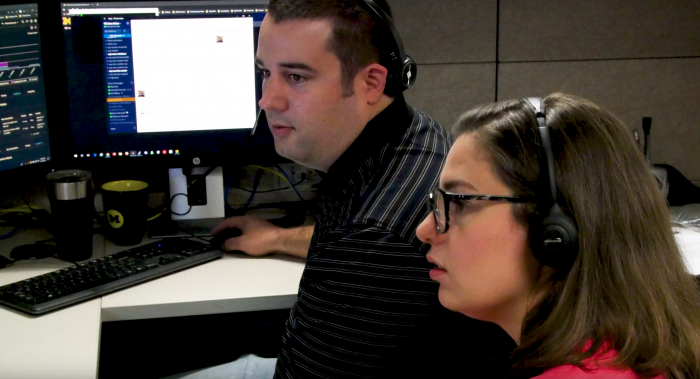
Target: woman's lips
(438,271)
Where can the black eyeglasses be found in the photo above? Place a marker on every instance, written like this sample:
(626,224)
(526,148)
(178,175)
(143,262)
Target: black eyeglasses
(440,200)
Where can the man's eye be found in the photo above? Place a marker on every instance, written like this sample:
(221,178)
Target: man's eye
(263,72)
(296,78)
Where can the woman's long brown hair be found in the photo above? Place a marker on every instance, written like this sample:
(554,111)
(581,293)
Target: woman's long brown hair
(628,286)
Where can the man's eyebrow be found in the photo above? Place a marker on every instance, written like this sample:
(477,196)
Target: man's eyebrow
(292,65)
(297,66)
(451,185)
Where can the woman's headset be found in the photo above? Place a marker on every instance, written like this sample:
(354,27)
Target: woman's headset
(553,234)
(402,68)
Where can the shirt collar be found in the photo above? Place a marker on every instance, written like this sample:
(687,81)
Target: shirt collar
(389,124)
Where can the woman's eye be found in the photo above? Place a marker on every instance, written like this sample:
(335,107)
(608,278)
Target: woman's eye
(458,206)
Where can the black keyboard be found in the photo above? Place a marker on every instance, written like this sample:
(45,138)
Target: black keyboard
(84,281)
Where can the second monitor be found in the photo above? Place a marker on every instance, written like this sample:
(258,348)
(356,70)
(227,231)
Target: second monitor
(24,135)
(165,85)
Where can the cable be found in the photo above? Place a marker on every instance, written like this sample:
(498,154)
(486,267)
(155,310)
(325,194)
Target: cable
(284,176)
(154,217)
(28,206)
(10,233)
(15,210)
(228,183)
(273,172)
(256,182)
(290,183)
(193,236)
(22,215)
(170,207)
(273,190)
(184,230)
(200,176)
(16,217)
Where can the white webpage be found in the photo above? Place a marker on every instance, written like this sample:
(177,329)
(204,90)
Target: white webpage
(193,74)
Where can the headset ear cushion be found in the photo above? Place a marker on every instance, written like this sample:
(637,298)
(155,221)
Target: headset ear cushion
(554,239)
(401,77)
(409,73)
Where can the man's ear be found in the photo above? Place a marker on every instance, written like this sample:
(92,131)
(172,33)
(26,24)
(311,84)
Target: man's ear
(373,81)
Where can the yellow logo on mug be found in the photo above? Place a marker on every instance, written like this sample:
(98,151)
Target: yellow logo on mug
(116,220)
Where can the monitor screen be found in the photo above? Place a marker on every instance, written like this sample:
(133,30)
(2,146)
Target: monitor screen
(155,80)
(25,138)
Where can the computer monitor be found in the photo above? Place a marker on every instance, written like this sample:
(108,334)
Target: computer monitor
(167,84)
(23,120)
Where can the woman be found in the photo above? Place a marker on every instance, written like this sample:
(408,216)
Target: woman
(617,302)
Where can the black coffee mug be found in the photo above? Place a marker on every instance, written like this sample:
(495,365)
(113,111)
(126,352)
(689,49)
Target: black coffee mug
(125,205)
(71,199)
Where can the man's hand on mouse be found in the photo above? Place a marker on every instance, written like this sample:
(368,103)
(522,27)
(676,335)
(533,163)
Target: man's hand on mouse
(258,236)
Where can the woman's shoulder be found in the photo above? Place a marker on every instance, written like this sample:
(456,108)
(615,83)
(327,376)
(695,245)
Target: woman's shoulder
(575,372)
(597,366)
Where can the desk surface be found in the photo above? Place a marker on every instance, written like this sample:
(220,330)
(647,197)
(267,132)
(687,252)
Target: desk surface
(65,343)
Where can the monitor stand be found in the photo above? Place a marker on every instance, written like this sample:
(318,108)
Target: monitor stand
(201,218)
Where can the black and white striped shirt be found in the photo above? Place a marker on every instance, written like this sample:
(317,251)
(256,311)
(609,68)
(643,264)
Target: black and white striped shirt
(365,293)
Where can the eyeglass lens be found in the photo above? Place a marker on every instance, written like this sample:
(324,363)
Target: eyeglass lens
(439,210)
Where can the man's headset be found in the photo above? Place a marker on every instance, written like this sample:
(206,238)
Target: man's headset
(553,234)
(402,68)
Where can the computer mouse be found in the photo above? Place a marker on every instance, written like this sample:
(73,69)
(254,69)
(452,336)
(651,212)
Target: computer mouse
(221,237)
(33,251)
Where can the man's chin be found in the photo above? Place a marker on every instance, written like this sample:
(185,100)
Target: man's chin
(284,153)
(296,158)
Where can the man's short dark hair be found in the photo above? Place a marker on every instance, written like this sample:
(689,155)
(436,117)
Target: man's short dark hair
(356,40)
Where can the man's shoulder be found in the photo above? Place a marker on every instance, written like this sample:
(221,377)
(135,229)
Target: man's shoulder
(424,124)
(395,198)
(423,117)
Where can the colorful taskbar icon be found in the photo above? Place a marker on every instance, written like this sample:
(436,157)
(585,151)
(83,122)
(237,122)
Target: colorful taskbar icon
(132,153)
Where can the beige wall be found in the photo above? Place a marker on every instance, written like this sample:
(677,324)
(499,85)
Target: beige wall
(636,58)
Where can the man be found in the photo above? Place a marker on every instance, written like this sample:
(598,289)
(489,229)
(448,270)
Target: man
(366,305)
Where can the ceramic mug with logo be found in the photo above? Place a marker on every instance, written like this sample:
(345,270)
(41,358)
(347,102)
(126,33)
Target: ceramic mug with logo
(125,205)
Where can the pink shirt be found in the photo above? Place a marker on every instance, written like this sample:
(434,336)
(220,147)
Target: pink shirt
(596,365)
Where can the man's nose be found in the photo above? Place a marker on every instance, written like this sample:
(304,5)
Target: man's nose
(273,95)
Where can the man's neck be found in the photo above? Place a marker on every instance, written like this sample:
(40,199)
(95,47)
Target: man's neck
(382,104)
(377,108)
